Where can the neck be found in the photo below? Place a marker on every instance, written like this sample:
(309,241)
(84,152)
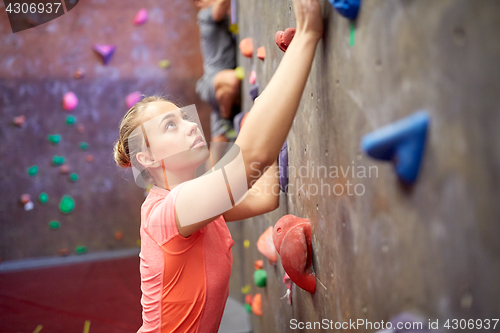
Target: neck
(172,178)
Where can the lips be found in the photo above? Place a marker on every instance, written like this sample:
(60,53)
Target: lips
(197,140)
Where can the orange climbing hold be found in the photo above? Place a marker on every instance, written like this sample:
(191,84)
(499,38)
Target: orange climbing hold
(79,73)
(64,169)
(246,47)
(19,121)
(25,198)
(243,120)
(89,158)
(118,235)
(261,53)
(258,264)
(265,245)
(80,128)
(257,304)
(284,38)
(63,252)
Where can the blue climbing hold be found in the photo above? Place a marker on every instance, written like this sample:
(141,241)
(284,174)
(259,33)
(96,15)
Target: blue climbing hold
(402,142)
(347,8)
(283,167)
(254,91)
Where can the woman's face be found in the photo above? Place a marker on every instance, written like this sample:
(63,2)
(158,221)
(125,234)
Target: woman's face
(174,136)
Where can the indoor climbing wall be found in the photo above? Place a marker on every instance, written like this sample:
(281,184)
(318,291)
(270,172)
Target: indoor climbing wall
(382,245)
(64,87)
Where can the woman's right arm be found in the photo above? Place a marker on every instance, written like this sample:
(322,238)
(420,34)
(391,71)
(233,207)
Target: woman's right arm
(266,126)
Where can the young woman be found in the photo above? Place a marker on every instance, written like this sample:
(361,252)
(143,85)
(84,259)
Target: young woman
(186,265)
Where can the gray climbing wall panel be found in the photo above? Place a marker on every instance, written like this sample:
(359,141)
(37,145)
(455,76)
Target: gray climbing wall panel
(36,69)
(432,248)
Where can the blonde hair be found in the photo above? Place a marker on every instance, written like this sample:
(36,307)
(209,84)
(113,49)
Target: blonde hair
(122,154)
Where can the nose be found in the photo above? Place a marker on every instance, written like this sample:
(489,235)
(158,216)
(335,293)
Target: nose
(192,127)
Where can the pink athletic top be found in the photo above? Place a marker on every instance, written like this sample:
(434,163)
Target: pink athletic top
(184,281)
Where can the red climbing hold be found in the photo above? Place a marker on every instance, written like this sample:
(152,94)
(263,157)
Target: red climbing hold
(258,264)
(284,38)
(246,47)
(261,53)
(19,121)
(266,246)
(248,299)
(89,158)
(292,239)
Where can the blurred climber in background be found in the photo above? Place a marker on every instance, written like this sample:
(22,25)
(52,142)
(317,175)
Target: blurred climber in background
(185,262)
(219,85)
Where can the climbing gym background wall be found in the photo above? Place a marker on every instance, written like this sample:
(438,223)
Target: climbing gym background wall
(381,247)
(37,68)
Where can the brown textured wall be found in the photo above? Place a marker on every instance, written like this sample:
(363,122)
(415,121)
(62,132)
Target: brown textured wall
(36,69)
(432,249)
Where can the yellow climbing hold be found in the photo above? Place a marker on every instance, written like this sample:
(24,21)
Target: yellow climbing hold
(86,327)
(38,329)
(246,289)
(138,242)
(246,243)
(240,72)
(234,28)
(164,63)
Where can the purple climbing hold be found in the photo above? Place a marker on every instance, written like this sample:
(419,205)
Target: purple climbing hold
(402,142)
(237,121)
(105,51)
(283,167)
(254,91)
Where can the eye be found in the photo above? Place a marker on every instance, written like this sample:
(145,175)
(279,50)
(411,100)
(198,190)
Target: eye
(170,123)
(188,117)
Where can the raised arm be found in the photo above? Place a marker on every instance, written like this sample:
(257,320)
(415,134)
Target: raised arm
(268,123)
(270,119)
(220,9)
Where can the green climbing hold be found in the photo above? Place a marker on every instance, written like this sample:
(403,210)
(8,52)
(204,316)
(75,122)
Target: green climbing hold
(70,120)
(58,160)
(32,171)
(81,249)
(54,138)
(248,307)
(84,145)
(73,177)
(67,204)
(43,197)
(260,278)
(54,225)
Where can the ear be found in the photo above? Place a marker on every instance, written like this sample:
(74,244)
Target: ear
(145,160)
